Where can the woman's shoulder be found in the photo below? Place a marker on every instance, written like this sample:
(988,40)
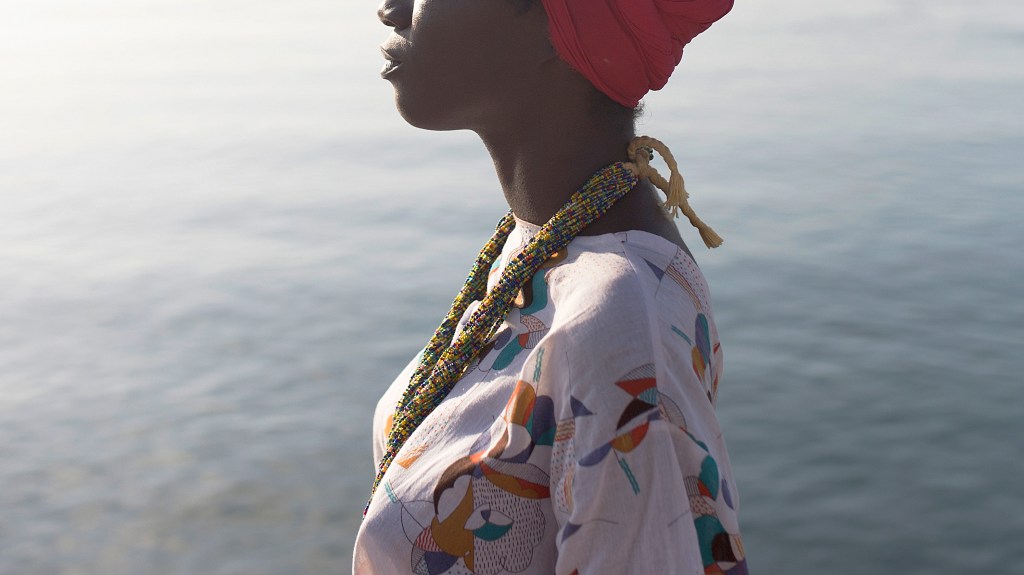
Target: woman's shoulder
(625,278)
(621,299)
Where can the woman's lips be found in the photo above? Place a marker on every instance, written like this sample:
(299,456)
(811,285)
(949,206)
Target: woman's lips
(390,65)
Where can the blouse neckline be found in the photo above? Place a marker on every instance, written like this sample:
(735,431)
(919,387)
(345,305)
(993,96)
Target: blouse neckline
(641,238)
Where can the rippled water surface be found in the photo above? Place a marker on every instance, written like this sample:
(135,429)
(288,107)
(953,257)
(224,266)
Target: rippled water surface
(219,243)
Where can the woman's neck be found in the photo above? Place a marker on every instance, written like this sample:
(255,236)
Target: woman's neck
(539,169)
(541,163)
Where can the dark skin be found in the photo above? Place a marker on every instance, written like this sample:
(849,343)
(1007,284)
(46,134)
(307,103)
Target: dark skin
(489,67)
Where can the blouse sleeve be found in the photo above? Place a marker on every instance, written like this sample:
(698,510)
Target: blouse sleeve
(640,478)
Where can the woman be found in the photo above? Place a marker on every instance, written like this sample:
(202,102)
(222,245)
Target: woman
(561,420)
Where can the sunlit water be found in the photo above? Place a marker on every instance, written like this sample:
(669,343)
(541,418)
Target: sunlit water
(219,243)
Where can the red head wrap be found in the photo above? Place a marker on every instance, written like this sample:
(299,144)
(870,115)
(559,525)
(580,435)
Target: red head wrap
(628,47)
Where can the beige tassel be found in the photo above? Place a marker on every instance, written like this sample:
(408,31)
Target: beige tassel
(677,199)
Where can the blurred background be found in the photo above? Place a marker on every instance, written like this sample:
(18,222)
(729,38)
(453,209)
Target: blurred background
(219,244)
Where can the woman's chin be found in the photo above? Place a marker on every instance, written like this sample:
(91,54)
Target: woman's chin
(430,115)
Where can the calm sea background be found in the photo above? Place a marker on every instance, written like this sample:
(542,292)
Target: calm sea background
(219,243)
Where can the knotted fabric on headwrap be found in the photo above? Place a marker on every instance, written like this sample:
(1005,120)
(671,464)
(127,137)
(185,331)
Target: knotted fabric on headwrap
(628,47)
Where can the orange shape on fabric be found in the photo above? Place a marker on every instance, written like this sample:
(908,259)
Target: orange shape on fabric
(451,534)
(520,405)
(514,485)
(475,458)
(635,387)
(629,441)
(698,363)
(409,458)
(704,490)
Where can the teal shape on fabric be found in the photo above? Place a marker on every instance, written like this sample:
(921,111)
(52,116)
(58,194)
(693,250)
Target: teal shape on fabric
(508,354)
(541,424)
(540,294)
(540,301)
(700,443)
(390,492)
(709,476)
(680,333)
(629,475)
(548,438)
(540,361)
(708,527)
(649,396)
(703,336)
(491,532)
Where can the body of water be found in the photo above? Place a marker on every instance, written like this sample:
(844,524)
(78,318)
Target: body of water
(218,246)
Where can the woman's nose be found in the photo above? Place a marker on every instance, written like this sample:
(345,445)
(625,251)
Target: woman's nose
(396,13)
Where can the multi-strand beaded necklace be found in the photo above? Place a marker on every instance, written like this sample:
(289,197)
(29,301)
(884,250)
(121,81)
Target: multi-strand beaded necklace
(444,361)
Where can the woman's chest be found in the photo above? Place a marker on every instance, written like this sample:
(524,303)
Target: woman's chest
(469,492)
